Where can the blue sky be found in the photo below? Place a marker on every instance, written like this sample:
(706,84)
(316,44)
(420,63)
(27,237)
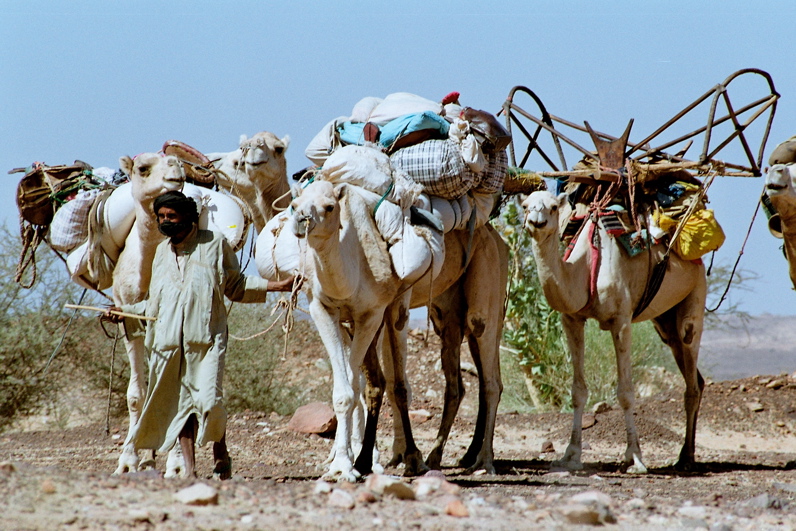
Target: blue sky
(96,80)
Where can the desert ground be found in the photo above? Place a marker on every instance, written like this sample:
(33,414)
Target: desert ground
(745,479)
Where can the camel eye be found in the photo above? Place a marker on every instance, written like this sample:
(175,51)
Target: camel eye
(278,150)
(329,208)
(554,209)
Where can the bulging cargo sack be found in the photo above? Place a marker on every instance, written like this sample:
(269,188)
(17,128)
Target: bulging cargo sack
(42,185)
(361,166)
(69,227)
(278,251)
(399,104)
(438,166)
(700,235)
(491,180)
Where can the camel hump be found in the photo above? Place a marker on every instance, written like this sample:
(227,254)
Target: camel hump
(198,168)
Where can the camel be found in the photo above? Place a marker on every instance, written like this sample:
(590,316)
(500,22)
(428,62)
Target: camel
(350,279)
(677,311)
(466,299)
(151,175)
(781,190)
(256,173)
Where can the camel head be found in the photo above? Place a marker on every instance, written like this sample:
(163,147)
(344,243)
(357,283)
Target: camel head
(317,210)
(781,189)
(152,174)
(541,213)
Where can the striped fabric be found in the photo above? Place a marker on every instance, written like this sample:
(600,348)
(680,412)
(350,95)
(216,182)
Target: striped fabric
(492,177)
(438,166)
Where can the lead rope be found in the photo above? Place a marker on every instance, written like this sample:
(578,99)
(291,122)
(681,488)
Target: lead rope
(737,261)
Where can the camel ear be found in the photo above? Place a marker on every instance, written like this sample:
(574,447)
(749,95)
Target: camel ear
(242,139)
(339,191)
(286,141)
(126,165)
(562,199)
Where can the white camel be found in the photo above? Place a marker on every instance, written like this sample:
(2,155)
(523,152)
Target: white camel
(151,175)
(677,311)
(781,190)
(256,173)
(350,279)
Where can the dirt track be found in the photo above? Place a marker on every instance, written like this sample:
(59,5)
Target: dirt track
(746,478)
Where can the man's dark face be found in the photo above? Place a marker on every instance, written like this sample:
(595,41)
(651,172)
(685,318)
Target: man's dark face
(173,224)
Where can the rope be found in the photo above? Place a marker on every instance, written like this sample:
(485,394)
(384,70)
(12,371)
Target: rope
(737,261)
(32,236)
(383,197)
(63,336)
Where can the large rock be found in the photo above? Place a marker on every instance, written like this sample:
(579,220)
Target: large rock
(316,417)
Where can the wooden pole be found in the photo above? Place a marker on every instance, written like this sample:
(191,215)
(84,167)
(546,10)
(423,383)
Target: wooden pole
(114,312)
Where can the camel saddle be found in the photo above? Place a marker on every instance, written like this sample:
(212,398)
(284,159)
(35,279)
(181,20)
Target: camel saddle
(43,189)
(198,168)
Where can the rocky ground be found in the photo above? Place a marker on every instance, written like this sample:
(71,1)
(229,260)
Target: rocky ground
(746,478)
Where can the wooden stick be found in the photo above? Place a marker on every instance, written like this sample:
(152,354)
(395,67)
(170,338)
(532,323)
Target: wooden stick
(114,312)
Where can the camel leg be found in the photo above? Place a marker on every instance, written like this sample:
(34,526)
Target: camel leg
(621,331)
(574,330)
(399,392)
(484,323)
(374,395)
(681,329)
(136,354)
(448,326)
(346,381)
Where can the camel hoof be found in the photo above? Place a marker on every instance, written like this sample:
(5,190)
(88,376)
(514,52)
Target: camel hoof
(146,463)
(396,460)
(566,464)
(222,469)
(434,460)
(415,466)
(128,463)
(637,467)
(482,464)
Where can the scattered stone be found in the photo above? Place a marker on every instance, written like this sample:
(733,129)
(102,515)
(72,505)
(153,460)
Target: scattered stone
(197,494)
(763,381)
(601,407)
(322,487)
(547,447)
(635,504)
(775,384)
(7,468)
(342,499)
(585,445)
(455,507)
(139,515)
(430,393)
(742,388)
(420,416)
(388,486)
(426,485)
(48,487)
(365,496)
(755,406)
(315,417)
(696,512)
(589,420)
(468,367)
(764,501)
(589,508)
(787,487)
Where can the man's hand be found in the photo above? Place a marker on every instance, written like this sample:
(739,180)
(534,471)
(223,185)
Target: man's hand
(282,285)
(112,317)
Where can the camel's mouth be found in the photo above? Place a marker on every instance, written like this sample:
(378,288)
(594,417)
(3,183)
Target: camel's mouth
(535,224)
(775,187)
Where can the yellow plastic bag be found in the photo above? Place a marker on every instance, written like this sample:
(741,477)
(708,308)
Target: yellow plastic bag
(701,234)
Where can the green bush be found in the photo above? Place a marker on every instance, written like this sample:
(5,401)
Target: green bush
(33,327)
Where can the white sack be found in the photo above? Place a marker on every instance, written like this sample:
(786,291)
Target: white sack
(399,104)
(278,251)
(363,108)
(69,227)
(220,213)
(324,143)
(361,166)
